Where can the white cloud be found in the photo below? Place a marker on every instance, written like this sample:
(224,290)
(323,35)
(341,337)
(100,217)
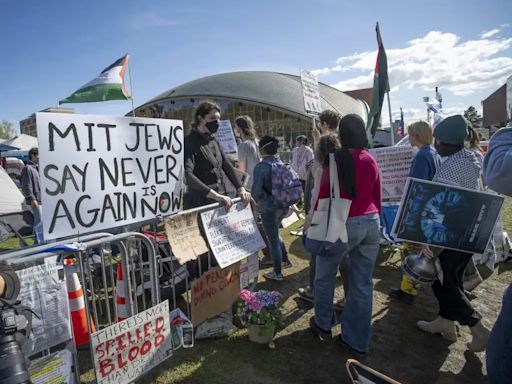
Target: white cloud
(491,33)
(437,59)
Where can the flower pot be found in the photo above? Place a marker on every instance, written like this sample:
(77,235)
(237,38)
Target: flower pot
(261,334)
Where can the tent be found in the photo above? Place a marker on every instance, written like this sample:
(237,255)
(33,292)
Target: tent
(22,142)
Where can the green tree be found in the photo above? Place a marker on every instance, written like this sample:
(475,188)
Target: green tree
(471,114)
(7,130)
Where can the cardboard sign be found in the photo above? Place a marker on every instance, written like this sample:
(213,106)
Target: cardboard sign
(394,164)
(311,92)
(184,237)
(226,138)
(446,216)
(214,292)
(99,172)
(232,235)
(126,350)
(249,269)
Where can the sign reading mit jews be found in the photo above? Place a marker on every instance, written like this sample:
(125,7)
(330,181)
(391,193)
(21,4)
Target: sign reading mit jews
(100,172)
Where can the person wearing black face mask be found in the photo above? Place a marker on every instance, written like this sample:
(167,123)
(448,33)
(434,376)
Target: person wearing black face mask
(205,162)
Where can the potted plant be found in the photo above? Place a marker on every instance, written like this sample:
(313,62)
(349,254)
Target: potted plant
(260,312)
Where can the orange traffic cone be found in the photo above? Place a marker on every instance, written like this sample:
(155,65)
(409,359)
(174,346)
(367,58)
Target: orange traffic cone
(122,305)
(77,305)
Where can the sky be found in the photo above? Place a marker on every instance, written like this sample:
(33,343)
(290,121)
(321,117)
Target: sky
(51,48)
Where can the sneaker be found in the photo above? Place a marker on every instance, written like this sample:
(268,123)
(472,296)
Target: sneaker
(266,261)
(271,275)
(347,348)
(321,333)
(306,294)
(400,295)
(339,305)
(286,264)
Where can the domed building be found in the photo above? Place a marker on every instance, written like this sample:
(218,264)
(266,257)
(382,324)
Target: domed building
(273,100)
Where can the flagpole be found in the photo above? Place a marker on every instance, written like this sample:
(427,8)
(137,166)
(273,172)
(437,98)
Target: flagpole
(391,121)
(131,88)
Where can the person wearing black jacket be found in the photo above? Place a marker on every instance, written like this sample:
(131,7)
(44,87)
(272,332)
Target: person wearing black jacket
(205,162)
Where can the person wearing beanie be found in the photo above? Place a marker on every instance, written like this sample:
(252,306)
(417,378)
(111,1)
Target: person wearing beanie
(459,167)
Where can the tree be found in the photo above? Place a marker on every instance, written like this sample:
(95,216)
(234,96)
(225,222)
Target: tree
(471,114)
(7,130)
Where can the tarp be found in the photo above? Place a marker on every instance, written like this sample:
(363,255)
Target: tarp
(22,142)
(10,198)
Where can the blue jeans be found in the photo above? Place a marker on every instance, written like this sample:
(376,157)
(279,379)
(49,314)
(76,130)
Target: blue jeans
(363,242)
(38,225)
(270,220)
(499,345)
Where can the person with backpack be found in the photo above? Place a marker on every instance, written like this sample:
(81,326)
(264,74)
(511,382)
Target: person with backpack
(275,188)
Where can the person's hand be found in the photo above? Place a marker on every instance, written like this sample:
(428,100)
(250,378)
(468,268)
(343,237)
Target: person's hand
(244,195)
(35,204)
(226,200)
(427,252)
(315,132)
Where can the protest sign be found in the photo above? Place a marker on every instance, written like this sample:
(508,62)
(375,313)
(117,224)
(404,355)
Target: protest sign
(55,368)
(311,92)
(45,293)
(126,350)
(184,237)
(226,138)
(249,269)
(232,235)
(177,320)
(394,164)
(214,292)
(99,172)
(446,216)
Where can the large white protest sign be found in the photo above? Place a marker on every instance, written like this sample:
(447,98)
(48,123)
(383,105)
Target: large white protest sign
(100,172)
(232,235)
(45,293)
(126,350)
(226,138)
(311,92)
(394,164)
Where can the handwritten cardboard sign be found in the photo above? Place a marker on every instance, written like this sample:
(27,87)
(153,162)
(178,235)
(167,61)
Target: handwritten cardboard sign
(311,92)
(99,172)
(214,292)
(126,350)
(232,235)
(394,164)
(184,237)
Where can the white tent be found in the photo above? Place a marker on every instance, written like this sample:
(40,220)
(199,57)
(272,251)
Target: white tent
(22,142)
(11,198)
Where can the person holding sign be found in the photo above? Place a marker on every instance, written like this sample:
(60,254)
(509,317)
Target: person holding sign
(248,155)
(460,167)
(205,162)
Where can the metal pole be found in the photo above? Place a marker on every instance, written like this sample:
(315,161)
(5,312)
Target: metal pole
(131,88)
(391,122)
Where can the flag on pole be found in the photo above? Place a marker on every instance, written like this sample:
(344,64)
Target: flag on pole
(401,128)
(109,85)
(380,87)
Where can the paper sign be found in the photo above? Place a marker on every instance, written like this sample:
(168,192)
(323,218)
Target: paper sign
(126,350)
(226,138)
(394,164)
(99,172)
(177,319)
(232,235)
(184,237)
(54,368)
(44,293)
(249,269)
(311,92)
(214,292)
(446,216)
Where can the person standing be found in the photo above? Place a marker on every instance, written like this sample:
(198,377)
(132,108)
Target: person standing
(205,162)
(31,188)
(302,156)
(248,154)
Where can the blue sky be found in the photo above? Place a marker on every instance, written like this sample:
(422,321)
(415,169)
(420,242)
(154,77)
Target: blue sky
(51,48)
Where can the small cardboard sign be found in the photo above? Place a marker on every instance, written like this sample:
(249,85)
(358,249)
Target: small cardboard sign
(214,292)
(184,237)
(311,92)
(226,138)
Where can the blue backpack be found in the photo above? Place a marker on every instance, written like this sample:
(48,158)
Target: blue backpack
(286,186)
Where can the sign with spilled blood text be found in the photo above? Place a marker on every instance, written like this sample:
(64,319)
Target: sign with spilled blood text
(99,172)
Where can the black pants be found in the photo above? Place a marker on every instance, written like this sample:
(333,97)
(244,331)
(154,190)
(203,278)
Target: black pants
(453,302)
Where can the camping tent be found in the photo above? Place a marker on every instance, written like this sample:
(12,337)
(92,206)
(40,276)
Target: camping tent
(11,197)
(22,142)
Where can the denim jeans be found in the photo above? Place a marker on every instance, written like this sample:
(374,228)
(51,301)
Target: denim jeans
(499,345)
(38,225)
(270,220)
(363,241)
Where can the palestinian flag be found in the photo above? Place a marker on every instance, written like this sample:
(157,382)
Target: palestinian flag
(109,85)
(380,87)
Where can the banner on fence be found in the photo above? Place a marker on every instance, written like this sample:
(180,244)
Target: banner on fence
(184,237)
(394,164)
(446,216)
(45,293)
(226,138)
(54,368)
(311,92)
(100,172)
(214,292)
(126,350)
(232,235)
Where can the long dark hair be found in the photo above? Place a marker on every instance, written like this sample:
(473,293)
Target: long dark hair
(246,125)
(202,110)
